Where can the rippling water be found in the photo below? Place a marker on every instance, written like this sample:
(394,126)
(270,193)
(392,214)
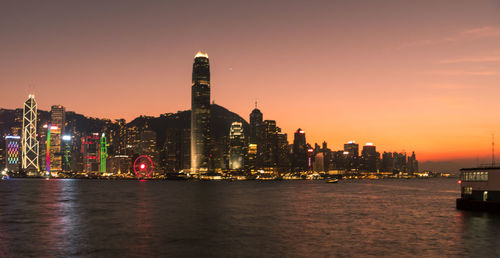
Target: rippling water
(283,218)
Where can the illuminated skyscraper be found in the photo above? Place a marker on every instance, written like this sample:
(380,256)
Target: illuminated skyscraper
(270,145)
(66,153)
(12,152)
(57,114)
(147,146)
(91,157)
(236,146)
(200,113)
(30,145)
(103,154)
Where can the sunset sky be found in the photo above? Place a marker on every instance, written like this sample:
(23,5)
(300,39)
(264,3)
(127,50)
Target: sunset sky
(419,76)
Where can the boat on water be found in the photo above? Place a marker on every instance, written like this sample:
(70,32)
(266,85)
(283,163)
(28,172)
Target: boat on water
(332,181)
(480,189)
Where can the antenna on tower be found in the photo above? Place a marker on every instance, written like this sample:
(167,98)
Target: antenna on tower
(256,103)
(493,149)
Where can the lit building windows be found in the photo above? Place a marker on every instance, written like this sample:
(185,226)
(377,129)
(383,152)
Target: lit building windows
(474,176)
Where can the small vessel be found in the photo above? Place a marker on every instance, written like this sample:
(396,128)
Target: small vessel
(332,181)
(5,177)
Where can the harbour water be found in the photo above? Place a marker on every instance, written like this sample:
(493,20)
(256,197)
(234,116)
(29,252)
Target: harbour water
(102,218)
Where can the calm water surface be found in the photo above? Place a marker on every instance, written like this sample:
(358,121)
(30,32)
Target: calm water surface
(287,218)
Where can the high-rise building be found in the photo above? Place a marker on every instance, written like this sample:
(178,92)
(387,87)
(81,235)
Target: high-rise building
(351,152)
(255,121)
(300,155)
(400,162)
(352,148)
(412,164)
(119,164)
(251,157)
(283,152)
(256,137)
(13,153)
(91,148)
(176,149)
(147,146)
(52,159)
(327,156)
(338,161)
(387,162)
(270,145)
(369,158)
(237,146)
(132,141)
(318,163)
(30,145)
(67,156)
(200,114)
(57,115)
(103,154)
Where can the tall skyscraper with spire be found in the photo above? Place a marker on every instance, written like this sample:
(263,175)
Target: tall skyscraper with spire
(200,114)
(30,145)
(255,122)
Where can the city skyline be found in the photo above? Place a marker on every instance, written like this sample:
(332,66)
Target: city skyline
(357,96)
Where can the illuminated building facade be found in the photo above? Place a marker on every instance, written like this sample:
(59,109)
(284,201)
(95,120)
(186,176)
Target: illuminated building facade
(49,154)
(66,153)
(30,145)
(12,153)
(147,145)
(237,146)
(91,158)
(270,145)
(57,115)
(200,114)
(103,154)
(251,157)
(119,164)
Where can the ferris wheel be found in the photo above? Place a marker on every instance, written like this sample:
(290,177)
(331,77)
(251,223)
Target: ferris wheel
(143,166)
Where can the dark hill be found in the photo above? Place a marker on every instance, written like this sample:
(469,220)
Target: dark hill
(221,120)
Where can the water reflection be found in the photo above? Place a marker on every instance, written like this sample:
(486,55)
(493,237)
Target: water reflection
(133,218)
(141,244)
(480,231)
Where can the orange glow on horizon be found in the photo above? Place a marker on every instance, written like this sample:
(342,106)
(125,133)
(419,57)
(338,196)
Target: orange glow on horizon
(338,77)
